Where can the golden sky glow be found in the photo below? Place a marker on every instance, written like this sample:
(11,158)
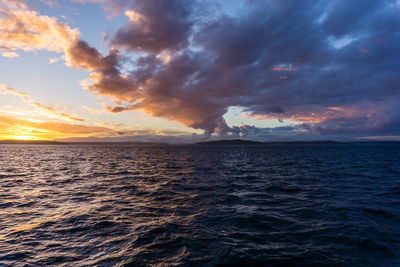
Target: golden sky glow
(14,128)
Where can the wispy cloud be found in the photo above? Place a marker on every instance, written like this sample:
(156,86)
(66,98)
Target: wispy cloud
(49,109)
(57,113)
(381,138)
(92,110)
(51,3)
(10,54)
(284,67)
(7,90)
(54,60)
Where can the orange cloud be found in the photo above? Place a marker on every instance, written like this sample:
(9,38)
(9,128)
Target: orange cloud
(92,110)
(133,16)
(21,28)
(319,116)
(284,68)
(7,90)
(258,116)
(24,29)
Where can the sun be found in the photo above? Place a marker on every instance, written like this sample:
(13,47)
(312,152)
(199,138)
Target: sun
(25,137)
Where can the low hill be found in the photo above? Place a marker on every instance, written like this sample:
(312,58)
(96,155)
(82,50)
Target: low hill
(238,142)
(235,142)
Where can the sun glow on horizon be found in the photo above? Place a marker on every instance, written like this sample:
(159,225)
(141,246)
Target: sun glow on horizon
(25,133)
(25,137)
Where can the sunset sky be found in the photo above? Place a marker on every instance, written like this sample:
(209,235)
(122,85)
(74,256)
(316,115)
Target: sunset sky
(183,71)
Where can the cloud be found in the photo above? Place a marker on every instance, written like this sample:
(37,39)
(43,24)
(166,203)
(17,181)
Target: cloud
(88,1)
(381,138)
(154,25)
(55,112)
(24,29)
(92,110)
(49,109)
(21,28)
(106,78)
(71,128)
(191,68)
(282,68)
(51,3)
(15,128)
(118,109)
(233,61)
(10,54)
(54,60)
(7,90)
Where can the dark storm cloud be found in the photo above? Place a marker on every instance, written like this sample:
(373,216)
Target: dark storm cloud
(352,16)
(154,25)
(332,66)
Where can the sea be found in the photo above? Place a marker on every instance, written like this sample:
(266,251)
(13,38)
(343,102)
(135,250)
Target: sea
(272,205)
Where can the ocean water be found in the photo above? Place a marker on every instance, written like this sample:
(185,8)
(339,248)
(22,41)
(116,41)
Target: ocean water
(110,205)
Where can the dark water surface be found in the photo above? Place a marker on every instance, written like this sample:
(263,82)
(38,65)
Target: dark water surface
(88,205)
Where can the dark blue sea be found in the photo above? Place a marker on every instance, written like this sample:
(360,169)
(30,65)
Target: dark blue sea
(282,205)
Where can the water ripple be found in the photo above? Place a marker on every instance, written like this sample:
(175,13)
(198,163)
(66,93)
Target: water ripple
(83,205)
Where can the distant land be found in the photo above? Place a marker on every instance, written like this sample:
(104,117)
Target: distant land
(238,142)
(223,142)
(126,143)
(234,142)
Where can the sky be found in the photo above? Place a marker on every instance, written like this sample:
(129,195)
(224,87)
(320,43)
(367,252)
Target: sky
(184,71)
